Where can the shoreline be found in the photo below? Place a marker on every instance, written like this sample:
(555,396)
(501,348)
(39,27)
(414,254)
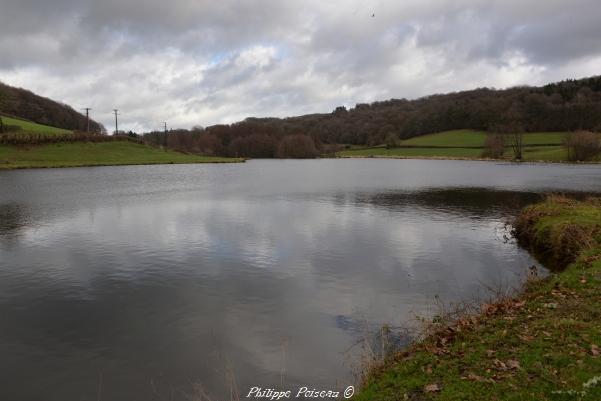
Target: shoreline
(481,159)
(8,165)
(542,344)
(62,166)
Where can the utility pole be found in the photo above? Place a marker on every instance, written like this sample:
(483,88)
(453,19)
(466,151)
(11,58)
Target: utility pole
(87,109)
(165,136)
(116,111)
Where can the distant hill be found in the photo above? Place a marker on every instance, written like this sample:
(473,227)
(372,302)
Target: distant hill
(557,107)
(21,103)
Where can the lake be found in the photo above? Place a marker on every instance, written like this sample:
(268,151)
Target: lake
(145,282)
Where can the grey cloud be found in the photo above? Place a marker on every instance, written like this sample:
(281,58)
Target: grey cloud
(205,62)
(569,34)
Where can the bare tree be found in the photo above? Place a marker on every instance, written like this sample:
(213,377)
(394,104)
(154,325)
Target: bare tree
(516,140)
(512,134)
(512,129)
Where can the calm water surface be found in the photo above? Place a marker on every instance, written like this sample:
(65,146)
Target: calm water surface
(133,283)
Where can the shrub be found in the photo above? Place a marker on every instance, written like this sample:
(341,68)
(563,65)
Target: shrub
(494,146)
(392,141)
(582,145)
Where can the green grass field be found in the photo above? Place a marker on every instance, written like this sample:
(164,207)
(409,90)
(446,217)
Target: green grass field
(27,126)
(544,344)
(95,154)
(471,138)
(457,138)
(413,152)
(538,146)
(545,153)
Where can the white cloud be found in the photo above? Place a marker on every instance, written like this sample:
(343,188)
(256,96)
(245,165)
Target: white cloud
(202,62)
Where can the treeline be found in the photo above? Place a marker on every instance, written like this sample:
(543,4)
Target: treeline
(34,138)
(564,106)
(21,103)
(228,140)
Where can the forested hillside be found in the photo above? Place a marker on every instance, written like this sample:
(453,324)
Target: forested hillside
(563,106)
(22,103)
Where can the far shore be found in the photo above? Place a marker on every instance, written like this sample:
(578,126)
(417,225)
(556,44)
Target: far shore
(482,159)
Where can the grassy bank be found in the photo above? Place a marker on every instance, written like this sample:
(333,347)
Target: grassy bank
(28,126)
(95,154)
(466,144)
(544,344)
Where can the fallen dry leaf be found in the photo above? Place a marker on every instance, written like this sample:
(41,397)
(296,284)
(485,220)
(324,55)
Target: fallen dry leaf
(595,350)
(513,364)
(431,388)
(500,364)
(474,377)
(435,350)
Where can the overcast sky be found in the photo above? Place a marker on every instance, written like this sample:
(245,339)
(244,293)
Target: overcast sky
(203,62)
